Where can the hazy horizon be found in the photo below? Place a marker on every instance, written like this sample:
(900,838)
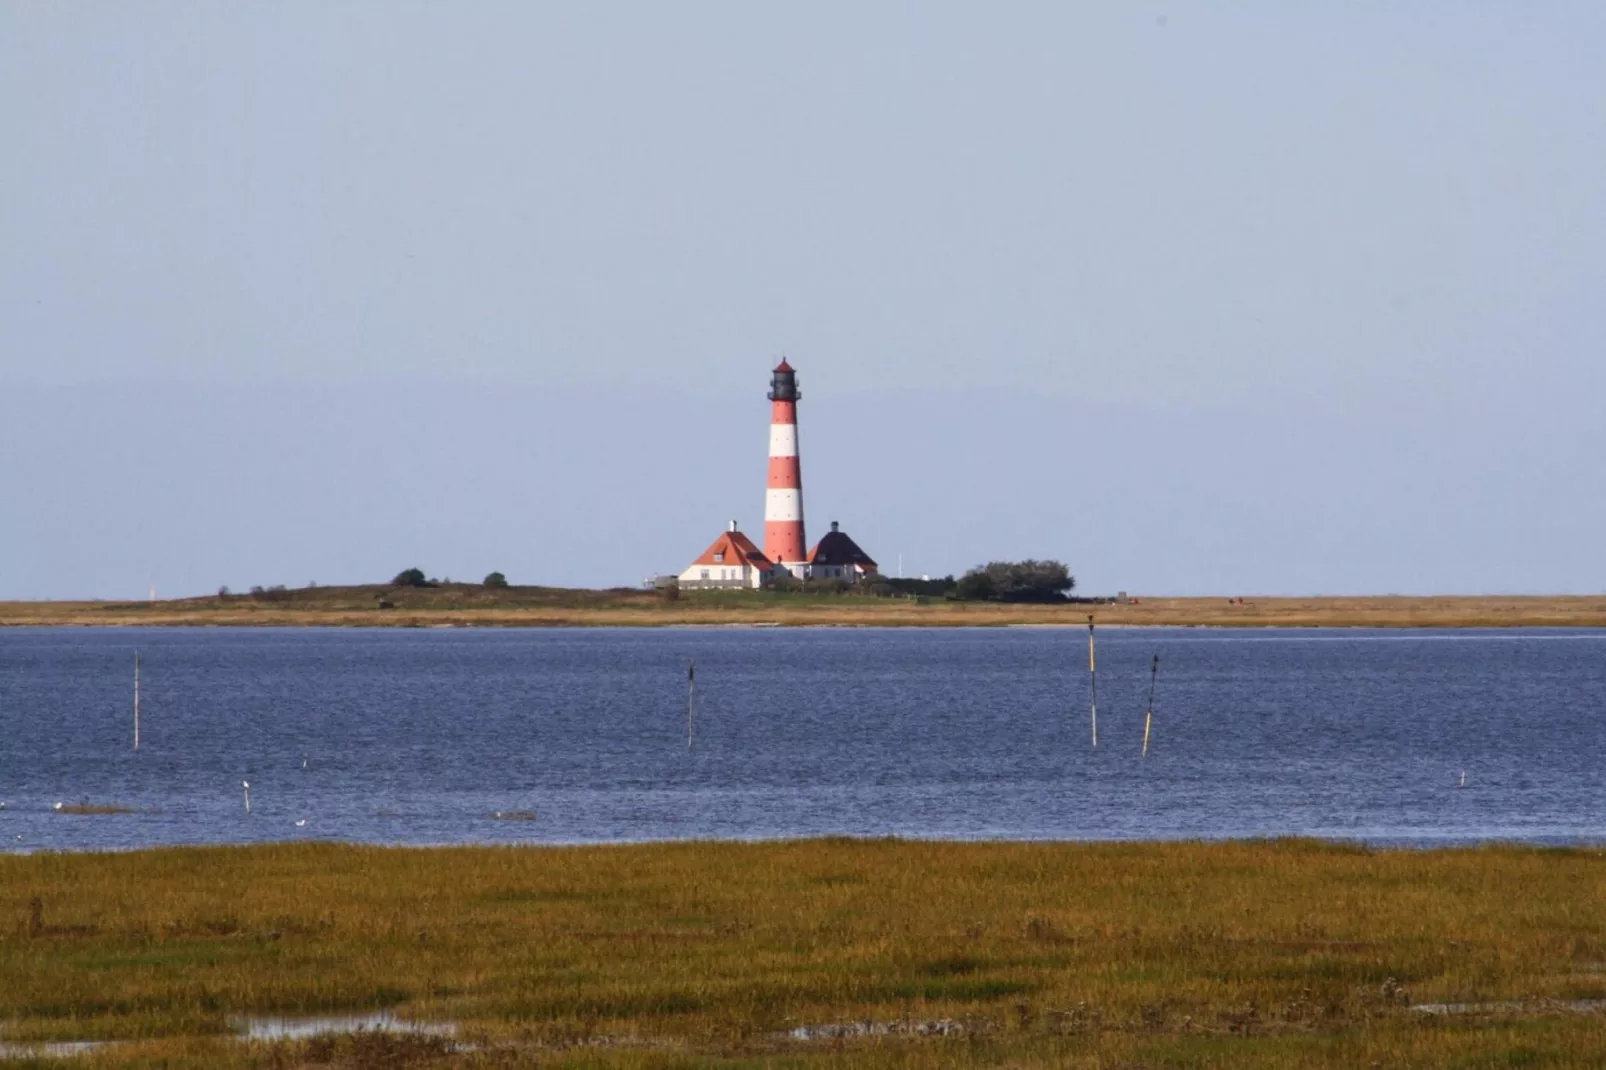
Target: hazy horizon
(1259,300)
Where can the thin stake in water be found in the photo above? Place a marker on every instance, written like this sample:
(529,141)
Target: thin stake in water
(136,700)
(1148,718)
(1093,678)
(246,784)
(691,698)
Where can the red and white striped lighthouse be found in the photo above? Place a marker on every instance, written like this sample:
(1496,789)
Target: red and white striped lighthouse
(784,543)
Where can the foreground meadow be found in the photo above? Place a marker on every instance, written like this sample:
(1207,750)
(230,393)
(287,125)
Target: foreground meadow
(834,952)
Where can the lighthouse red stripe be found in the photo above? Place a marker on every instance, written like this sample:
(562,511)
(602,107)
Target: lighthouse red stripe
(785,538)
(783,412)
(785,474)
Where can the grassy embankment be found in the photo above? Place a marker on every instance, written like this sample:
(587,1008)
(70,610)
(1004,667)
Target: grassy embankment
(465,604)
(1273,954)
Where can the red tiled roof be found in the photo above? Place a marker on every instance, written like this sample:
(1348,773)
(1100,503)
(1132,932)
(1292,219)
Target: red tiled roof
(837,549)
(737,549)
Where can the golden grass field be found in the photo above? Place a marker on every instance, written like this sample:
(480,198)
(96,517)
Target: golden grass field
(1275,954)
(472,605)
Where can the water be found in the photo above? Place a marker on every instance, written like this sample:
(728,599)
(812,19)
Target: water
(279,1028)
(59,1049)
(255,1028)
(422,736)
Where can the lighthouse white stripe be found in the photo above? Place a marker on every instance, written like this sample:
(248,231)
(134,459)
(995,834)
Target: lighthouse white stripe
(783,504)
(783,440)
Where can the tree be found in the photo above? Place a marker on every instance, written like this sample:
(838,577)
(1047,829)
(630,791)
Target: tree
(496,579)
(412,577)
(976,586)
(1016,581)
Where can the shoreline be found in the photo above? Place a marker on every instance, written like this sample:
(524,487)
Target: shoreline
(462,606)
(1584,845)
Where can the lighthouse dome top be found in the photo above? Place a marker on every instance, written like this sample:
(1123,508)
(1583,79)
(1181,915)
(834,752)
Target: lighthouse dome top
(783,366)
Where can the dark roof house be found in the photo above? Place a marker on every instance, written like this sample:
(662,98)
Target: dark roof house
(838,556)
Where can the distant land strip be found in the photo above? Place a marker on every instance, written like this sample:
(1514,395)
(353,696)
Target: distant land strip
(471,605)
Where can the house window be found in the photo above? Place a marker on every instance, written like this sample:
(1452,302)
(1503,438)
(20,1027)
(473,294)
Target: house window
(705,574)
(720,556)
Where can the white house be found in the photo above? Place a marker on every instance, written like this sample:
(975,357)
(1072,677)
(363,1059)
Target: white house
(731,562)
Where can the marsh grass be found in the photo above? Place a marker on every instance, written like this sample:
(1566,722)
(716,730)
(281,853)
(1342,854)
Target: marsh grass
(1274,954)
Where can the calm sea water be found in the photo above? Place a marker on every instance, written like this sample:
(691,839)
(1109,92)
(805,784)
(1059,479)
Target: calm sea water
(417,737)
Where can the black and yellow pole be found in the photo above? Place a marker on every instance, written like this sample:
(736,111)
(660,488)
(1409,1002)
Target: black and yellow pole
(691,698)
(1148,718)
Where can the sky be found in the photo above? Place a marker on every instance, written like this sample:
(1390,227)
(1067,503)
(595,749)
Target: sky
(1214,299)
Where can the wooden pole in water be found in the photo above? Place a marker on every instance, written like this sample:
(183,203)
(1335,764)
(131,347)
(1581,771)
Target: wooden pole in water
(246,784)
(1093,678)
(136,700)
(1148,718)
(691,698)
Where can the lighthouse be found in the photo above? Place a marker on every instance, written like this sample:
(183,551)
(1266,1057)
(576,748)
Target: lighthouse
(784,543)
(733,561)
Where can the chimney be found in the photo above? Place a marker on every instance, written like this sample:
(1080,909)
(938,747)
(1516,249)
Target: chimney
(833,525)
(733,525)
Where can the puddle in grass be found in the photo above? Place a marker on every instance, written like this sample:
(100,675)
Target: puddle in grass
(262,1028)
(57,1049)
(941,1027)
(253,1028)
(1574,1006)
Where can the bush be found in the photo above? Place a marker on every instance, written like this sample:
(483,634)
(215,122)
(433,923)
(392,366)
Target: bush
(1015,581)
(496,579)
(875,587)
(412,577)
(939,588)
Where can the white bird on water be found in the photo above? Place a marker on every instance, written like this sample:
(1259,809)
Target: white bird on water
(302,823)
(58,806)
(246,784)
